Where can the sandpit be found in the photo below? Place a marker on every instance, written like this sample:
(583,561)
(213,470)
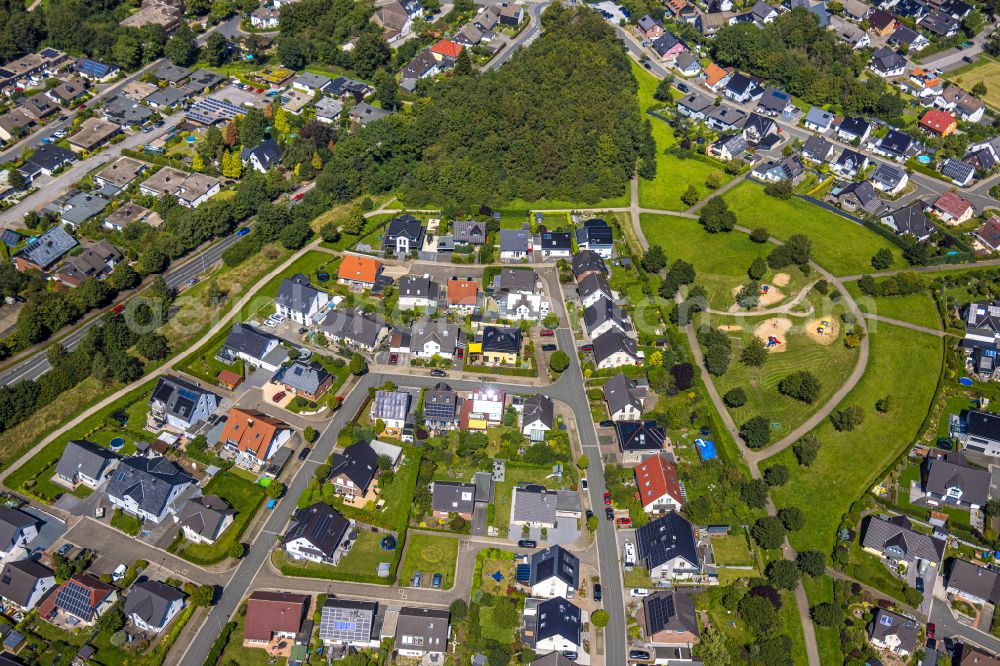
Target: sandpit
(729,328)
(781,279)
(772,297)
(777,328)
(831,330)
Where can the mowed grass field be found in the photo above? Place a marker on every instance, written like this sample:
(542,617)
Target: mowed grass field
(831,364)
(917,309)
(673,175)
(987,71)
(839,245)
(902,363)
(827,638)
(720,260)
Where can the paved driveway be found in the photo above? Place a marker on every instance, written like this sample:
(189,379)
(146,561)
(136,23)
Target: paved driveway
(478,527)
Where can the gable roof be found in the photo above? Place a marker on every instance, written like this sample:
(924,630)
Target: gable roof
(423,629)
(48,248)
(621,391)
(359,268)
(886,623)
(79,596)
(667,42)
(251,431)
(447,48)
(270,612)
(896,142)
(11,522)
(817,148)
(148,482)
(820,117)
(268,153)
(354,326)
(983,582)
(179,397)
(945,474)
(502,339)
(602,311)
(539,407)
(346,621)
(880,534)
(854,125)
(937,120)
(669,611)
(453,497)
(84,457)
(655,477)
(391,405)
(554,562)
(150,600)
(469,231)
(557,617)
(440,403)
(594,283)
(514,240)
(866,195)
(890,175)
(952,204)
(321,526)
(303,376)
(611,342)
(19,578)
(462,292)
(640,435)
(587,261)
(296,294)
(249,340)
(666,538)
(912,220)
(775,100)
(358,462)
(517,280)
(205,515)
(957,170)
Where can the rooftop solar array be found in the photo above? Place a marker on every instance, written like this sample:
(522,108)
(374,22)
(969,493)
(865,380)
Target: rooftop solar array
(347,623)
(75,600)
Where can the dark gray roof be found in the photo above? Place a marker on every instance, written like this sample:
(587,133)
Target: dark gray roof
(886,623)
(886,60)
(974,483)
(84,457)
(205,515)
(587,261)
(168,96)
(665,538)
(866,195)
(354,326)
(854,125)
(418,286)
(557,617)
(620,391)
(501,339)
(896,142)
(429,627)
(602,311)
(12,521)
(983,424)
(612,341)
(358,462)
(517,280)
(593,283)
(148,481)
(889,175)
(49,247)
(556,240)
(179,396)
(539,408)
(671,611)
(881,534)
(248,340)
(640,435)
(268,153)
(514,240)
(18,580)
(344,621)
(295,293)
(469,231)
(554,562)
(150,600)
(695,102)
(310,80)
(440,403)
(49,157)
(171,72)
(760,124)
(553,659)
(983,582)
(912,220)
(957,169)
(406,226)
(319,524)
(453,497)
(303,376)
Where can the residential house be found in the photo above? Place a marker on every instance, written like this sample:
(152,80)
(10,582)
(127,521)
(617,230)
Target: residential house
(668,47)
(763,12)
(851,34)
(537,417)
(893,632)
(14,124)
(254,347)
(17,530)
(191,189)
(587,262)
(593,289)
(938,122)
(728,147)
(253,436)
(43,252)
(81,599)
(441,407)
(316,533)
(553,626)
(359,271)
(423,632)
(911,220)
(950,482)
(923,83)
(659,489)
(67,91)
(344,623)
(711,23)
(394,21)
(666,546)
(122,111)
(889,178)
(167,98)
(595,235)
(462,295)
(403,235)
(853,129)
(897,541)
(501,345)
(940,23)
(204,519)
(774,102)
(96,261)
(670,620)
(328,110)
(450,498)
(430,338)
(907,39)
(982,429)
(856,10)
(263,156)
(468,232)
(537,506)
(913,9)
(817,149)
(604,315)
(613,349)
(625,398)
(961,103)
(75,208)
(119,175)
(151,605)
(953,209)
(974,656)
(343,88)
(482,409)
(274,615)
(353,471)
(148,487)
(446,50)
(639,438)
(308,379)
(353,329)
(24,583)
(551,572)
(688,65)
(515,244)
(84,462)
(818,120)
(165,13)
(300,301)
(694,106)
(859,197)
(850,163)
(511,14)
(364,113)
(724,118)
(130,212)
(740,88)
(682,11)
(181,405)
(488,18)
(788,168)
(46,160)
(392,407)
(976,584)
(988,234)
(757,127)
(93,133)
(98,72)
(418,292)
(516,281)
(957,9)
(556,244)
(886,63)
(895,144)
(310,83)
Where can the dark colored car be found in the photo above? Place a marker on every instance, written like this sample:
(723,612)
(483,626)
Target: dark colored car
(63,119)
(647,64)
(436,581)
(65,548)
(549,348)
(638,654)
(526,543)
(920,584)
(304,453)
(438,372)
(683,87)
(589,514)
(609,513)
(607,423)
(597,592)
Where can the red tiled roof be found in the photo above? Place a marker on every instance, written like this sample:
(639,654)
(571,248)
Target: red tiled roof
(989,233)
(937,120)
(462,292)
(952,204)
(446,47)
(656,477)
(230,378)
(270,612)
(361,269)
(250,430)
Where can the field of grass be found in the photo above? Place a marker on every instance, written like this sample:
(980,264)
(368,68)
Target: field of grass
(430,554)
(849,462)
(491,629)
(732,550)
(917,309)
(831,364)
(839,245)
(820,590)
(245,497)
(673,175)
(985,70)
(366,555)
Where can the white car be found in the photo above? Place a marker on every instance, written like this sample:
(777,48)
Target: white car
(270,323)
(639,592)
(278,318)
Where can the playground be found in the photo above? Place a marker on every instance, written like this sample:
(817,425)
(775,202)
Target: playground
(774,333)
(824,331)
(770,296)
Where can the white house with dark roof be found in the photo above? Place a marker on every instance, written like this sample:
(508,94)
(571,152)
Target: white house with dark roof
(911,220)
(147,488)
(515,244)
(603,316)
(84,462)
(422,633)
(951,482)
(551,572)
(17,530)
(889,178)
(897,541)
(392,407)
(180,404)
(614,349)
(537,506)
(316,533)
(204,519)
(893,632)
(537,417)
(982,429)
(417,291)
(667,547)
(593,288)
(353,470)
(453,498)
(625,398)
(554,626)
(254,347)
(300,301)
(151,605)
(349,623)
(24,583)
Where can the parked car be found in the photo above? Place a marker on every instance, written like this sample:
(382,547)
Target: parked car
(549,348)
(159,123)
(63,119)
(118,309)
(683,87)
(65,548)
(607,498)
(278,397)
(242,231)
(298,197)
(59,134)
(460,353)
(571,654)
(597,592)
(526,543)
(609,513)
(638,654)
(920,584)
(393,359)
(639,592)
(607,423)
(304,453)
(589,514)
(416,579)
(624,521)
(583,483)
(438,372)
(547,333)
(930,629)
(587,348)
(192,282)
(436,581)
(147,129)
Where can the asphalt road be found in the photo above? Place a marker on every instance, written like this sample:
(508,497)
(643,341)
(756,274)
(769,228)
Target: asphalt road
(946,626)
(527,35)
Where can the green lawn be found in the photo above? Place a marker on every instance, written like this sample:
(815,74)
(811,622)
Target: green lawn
(870,570)
(732,550)
(673,174)
(491,629)
(917,309)
(839,245)
(831,364)
(245,497)
(502,493)
(126,523)
(827,638)
(366,555)
(430,554)
(789,614)
(903,363)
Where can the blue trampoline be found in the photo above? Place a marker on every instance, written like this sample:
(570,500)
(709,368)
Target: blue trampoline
(706,449)
(497,576)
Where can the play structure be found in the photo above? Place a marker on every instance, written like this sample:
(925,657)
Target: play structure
(772,341)
(823,326)
(764,289)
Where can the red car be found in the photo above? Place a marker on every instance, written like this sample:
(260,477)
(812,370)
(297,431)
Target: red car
(607,499)
(587,348)
(547,333)
(118,309)
(930,630)
(278,397)
(260,90)
(393,358)
(298,197)
(461,352)
(624,521)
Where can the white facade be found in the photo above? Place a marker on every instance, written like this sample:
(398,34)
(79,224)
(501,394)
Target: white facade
(526,307)
(194,537)
(627,413)
(535,431)
(41,588)
(305,317)
(175,607)
(895,190)
(129,505)
(616,360)
(677,568)
(552,587)
(21,538)
(662,504)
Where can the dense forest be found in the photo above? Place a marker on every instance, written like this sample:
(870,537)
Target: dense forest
(315,30)
(558,120)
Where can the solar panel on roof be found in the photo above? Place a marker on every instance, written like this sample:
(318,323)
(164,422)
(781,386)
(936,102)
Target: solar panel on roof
(523,573)
(49,53)
(885,620)
(6,73)
(75,599)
